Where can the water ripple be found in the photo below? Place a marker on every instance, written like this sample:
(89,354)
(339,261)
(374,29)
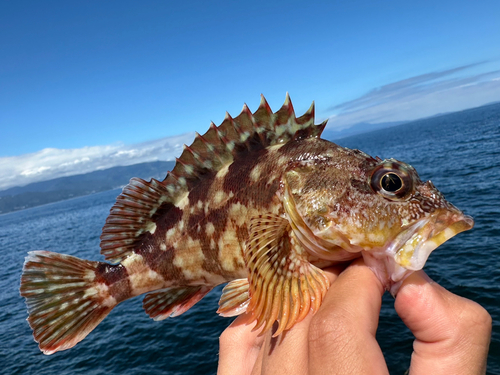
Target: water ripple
(459,152)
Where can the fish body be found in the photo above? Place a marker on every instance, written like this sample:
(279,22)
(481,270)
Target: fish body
(260,202)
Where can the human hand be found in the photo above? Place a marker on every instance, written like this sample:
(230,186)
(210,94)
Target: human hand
(452,333)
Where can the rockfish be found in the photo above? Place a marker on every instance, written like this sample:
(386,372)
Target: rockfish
(261,202)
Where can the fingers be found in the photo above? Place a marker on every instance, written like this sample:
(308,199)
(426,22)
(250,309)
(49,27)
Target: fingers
(452,333)
(346,324)
(289,353)
(338,339)
(243,352)
(239,347)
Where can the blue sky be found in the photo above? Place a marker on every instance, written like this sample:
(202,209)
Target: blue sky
(100,75)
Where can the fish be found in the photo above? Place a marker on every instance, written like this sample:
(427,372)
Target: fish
(260,202)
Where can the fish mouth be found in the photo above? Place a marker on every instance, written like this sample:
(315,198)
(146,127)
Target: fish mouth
(412,247)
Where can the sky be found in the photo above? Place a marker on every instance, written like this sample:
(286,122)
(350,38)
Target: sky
(88,85)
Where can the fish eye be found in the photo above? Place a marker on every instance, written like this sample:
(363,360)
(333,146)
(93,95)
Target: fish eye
(392,180)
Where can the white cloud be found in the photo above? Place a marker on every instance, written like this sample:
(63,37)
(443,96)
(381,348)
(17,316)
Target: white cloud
(409,99)
(51,163)
(418,97)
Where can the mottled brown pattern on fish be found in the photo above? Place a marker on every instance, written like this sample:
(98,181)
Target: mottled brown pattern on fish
(238,175)
(153,249)
(256,180)
(242,233)
(167,215)
(199,193)
(205,229)
(115,277)
(217,225)
(160,261)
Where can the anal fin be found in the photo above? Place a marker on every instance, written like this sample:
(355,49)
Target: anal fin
(173,301)
(234,299)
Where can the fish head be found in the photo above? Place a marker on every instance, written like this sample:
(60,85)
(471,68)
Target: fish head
(379,209)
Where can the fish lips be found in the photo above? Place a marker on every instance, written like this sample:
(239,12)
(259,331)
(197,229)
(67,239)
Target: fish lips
(412,247)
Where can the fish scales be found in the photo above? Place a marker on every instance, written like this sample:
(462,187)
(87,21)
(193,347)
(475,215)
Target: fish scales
(215,220)
(260,202)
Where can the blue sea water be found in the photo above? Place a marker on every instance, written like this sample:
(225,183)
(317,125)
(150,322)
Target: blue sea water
(460,152)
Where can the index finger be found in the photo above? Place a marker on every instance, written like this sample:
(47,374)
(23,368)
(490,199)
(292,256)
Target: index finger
(342,333)
(239,347)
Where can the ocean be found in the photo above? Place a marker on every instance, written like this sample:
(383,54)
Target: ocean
(459,152)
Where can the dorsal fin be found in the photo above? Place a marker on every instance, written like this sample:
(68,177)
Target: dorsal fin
(135,209)
(220,145)
(131,216)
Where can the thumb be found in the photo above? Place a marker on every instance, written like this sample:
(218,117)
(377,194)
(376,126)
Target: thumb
(452,333)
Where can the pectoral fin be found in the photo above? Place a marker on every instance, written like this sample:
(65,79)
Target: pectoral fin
(234,299)
(283,285)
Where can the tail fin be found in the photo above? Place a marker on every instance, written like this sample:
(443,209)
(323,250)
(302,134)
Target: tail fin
(64,301)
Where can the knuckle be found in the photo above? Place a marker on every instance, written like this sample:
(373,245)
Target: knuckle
(477,316)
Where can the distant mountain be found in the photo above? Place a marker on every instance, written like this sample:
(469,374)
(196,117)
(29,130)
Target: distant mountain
(359,128)
(38,193)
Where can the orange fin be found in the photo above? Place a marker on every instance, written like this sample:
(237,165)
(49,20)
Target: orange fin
(284,286)
(234,299)
(64,303)
(173,301)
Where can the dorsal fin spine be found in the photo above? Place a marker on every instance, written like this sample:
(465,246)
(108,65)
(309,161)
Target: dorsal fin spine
(195,155)
(201,162)
(320,128)
(310,111)
(264,104)
(307,118)
(246,110)
(172,175)
(204,141)
(244,135)
(219,133)
(265,110)
(188,168)
(289,106)
(209,147)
